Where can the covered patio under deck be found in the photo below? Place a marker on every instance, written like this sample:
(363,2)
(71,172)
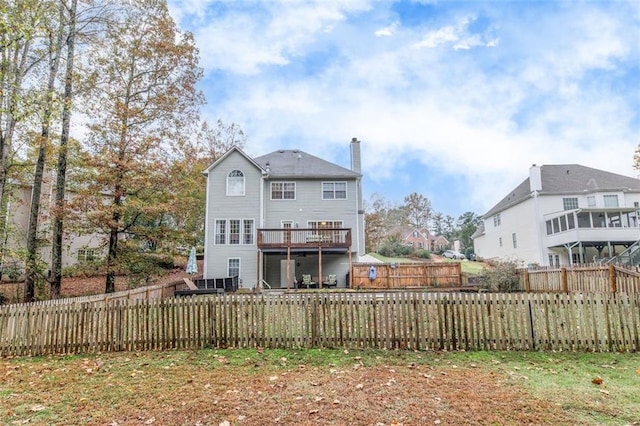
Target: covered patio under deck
(314,245)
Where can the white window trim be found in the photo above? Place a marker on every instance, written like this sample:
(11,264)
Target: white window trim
(227,234)
(243,183)
(346,190)
(295,191)
(229,259)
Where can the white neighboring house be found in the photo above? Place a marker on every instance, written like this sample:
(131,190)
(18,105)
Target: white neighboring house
(76,247)
(274,218)
(563,215)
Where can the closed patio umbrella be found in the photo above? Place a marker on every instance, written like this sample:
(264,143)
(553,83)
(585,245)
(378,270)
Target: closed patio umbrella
(192,265)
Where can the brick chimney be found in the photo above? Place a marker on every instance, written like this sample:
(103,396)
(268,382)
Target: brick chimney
(356,162)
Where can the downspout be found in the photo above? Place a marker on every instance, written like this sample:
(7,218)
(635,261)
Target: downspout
(206,228)
(260,266)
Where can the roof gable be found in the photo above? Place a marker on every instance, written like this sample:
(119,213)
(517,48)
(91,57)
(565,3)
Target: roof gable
(226,155)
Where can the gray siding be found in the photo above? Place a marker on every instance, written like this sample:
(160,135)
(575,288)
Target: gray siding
(309,206)
(221,206)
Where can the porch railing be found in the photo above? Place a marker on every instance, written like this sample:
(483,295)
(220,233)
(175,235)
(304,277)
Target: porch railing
(304,238)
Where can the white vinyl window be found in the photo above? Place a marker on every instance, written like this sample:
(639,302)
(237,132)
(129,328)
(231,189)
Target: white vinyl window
(515,240)
(247,231)
(610,201)
(497,220)
(233,267)
(570,203)
(87,254)
(234,231)
(591,201)
(235,183)
(334,190)
(283,190)
(221,231)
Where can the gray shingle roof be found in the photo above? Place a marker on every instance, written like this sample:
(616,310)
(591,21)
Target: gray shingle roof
(560,179)
(293,163)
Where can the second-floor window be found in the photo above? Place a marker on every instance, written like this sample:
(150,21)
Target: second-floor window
(570,203)
(334,190)
(515,240)
(497,220)
(283,190)
(235,183)
(610,201)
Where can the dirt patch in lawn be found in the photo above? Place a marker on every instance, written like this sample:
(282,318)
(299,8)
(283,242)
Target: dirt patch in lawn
(207,388)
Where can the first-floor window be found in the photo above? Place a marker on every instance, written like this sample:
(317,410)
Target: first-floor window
(247,231)
(233,267)
(234,231)
(221,231)
(86,254)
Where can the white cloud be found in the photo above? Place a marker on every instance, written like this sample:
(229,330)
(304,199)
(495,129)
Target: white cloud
(387,31)
(549,91)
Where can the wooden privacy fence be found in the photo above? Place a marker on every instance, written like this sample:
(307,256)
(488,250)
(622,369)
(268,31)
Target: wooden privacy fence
(594,279)
(391,320)
(408,275)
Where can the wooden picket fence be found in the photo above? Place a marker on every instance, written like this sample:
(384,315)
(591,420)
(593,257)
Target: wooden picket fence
(413,320)
(434,275)
(582,278)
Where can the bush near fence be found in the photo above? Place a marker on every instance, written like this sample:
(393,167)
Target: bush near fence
(413,320)
(581,278)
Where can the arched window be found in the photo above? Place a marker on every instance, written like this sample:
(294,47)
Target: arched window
(235,183)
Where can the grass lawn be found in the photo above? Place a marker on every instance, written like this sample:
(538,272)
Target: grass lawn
(258,387)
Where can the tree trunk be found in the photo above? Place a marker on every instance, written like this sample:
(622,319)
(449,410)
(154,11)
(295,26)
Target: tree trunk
(61,178)
(110,285)
(31,268)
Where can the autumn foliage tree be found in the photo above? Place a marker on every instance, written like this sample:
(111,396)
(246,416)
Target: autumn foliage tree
(191,158)
(144,98)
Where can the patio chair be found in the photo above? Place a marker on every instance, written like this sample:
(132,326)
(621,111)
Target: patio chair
(331,281)
(306,280)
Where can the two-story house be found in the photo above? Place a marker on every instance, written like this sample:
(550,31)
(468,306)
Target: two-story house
(563,215)
(274,218)
(420,238)
(77,247)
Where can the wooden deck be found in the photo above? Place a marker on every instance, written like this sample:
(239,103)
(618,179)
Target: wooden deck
(304,238)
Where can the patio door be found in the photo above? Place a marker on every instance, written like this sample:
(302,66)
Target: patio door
(283,273)
(287,225)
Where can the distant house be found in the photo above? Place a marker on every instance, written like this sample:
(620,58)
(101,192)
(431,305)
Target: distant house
(420,238)
(273,219)
(440,243)
(76,247)
(563,215)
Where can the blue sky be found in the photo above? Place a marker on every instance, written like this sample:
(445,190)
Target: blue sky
(453,100)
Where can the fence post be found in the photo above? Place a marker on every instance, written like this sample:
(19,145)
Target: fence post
(527,283)
(612,278)
(563,280)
